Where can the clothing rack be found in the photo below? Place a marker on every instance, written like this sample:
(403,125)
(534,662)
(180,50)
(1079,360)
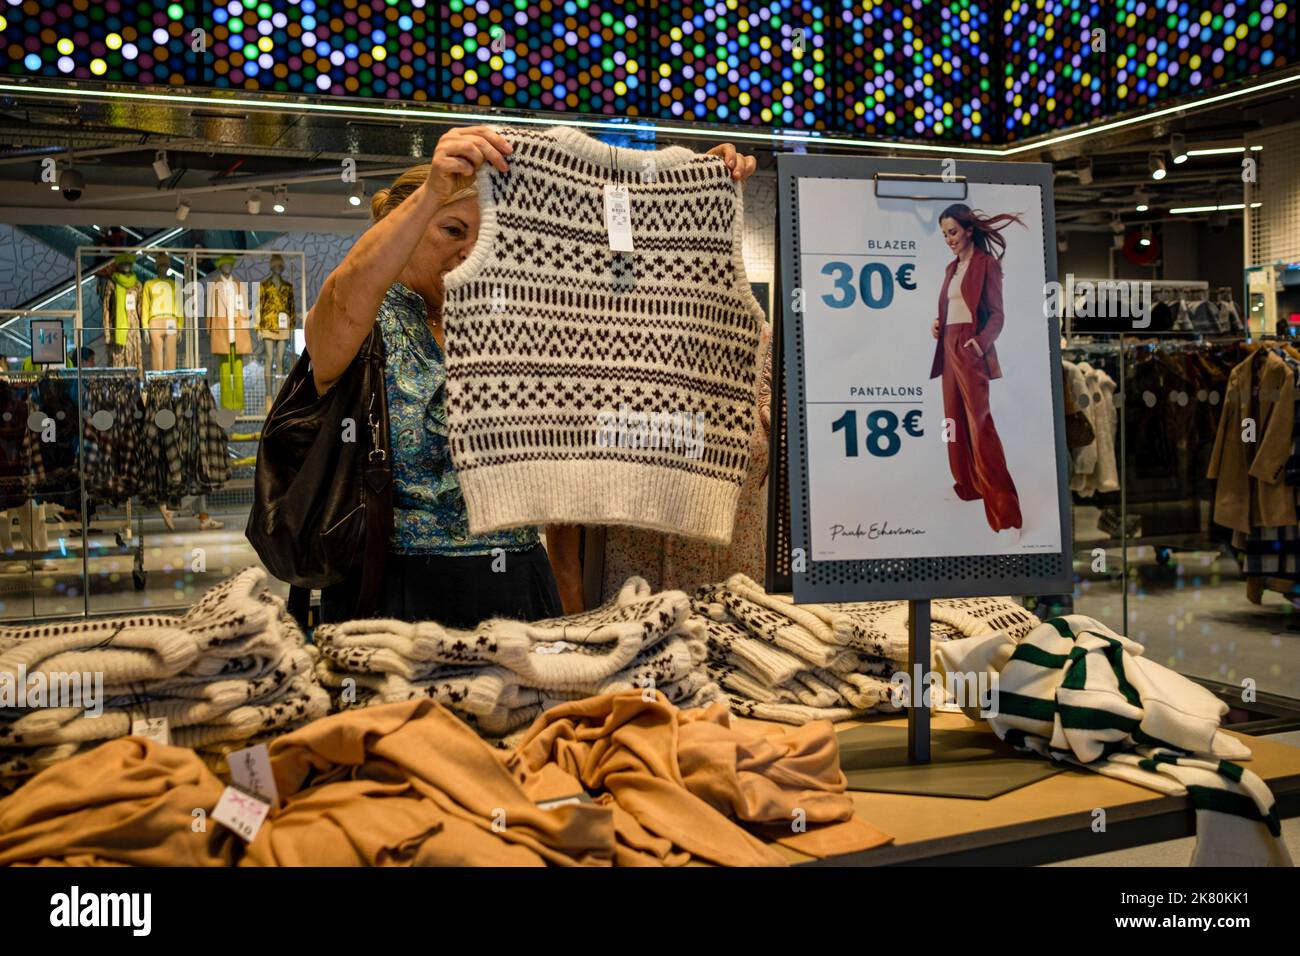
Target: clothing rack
(123,543)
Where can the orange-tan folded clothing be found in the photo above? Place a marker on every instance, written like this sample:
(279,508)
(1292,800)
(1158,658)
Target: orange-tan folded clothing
(128,801)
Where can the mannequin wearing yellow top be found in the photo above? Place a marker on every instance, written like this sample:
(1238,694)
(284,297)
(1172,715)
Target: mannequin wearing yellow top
(160,314)
(275,322)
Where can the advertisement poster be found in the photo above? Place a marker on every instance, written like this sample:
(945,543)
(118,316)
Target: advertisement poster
(928,386)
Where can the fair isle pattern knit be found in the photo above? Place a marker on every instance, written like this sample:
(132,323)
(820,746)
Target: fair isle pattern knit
(234,666)
(799,663)
(598,387)
(501,675)
(1075,691)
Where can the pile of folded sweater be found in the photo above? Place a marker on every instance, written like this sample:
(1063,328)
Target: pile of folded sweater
(796,663)
(502,674)
(234,668)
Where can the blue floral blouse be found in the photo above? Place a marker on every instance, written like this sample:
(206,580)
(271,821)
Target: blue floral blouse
(429,514)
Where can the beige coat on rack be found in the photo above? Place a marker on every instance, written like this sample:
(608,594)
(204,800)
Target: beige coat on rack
(1251,488)
(228,312)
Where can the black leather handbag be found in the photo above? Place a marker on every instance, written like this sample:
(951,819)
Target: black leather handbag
(323,487)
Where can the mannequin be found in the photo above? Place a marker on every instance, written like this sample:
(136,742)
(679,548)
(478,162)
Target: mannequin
(160,314)
(275,322)
(122,304)
(229,326)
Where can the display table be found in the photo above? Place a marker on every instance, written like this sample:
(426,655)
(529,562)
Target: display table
(1043,822)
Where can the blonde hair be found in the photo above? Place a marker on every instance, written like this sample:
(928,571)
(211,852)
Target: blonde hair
(386,200)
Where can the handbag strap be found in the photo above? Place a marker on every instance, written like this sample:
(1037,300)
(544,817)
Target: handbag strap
(376,477)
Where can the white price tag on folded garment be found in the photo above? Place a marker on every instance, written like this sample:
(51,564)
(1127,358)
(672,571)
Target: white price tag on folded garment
(618,217)
(241,812)
(152,728)
(250,769)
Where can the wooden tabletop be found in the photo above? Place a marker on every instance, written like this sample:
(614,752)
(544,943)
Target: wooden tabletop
(1056,813)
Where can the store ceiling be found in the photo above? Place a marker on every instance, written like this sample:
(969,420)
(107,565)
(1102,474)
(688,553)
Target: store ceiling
(217,154)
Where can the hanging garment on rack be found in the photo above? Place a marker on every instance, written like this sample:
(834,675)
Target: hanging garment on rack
(1253,444)
(112,456)
(190,457)
(21,466)
(55,398)
(1099,389)
(1080,435)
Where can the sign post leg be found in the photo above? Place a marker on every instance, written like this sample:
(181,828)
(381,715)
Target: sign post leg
(918,664)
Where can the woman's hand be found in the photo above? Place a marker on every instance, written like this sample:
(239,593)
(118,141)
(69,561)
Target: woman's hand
(742,167)
(934,329)
(972,344)
(460,152)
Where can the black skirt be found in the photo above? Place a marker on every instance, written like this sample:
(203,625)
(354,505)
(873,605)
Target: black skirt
(455,591)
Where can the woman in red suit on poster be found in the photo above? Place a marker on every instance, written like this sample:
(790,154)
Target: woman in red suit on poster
(970,318)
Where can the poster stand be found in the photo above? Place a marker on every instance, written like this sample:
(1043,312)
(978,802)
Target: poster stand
(916,580)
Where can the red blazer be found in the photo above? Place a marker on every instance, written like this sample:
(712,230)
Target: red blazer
(981,288)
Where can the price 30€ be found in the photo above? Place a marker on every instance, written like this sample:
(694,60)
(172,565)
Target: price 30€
(875,284)
(883,436)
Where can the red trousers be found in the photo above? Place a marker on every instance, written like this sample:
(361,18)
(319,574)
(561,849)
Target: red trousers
(975,454)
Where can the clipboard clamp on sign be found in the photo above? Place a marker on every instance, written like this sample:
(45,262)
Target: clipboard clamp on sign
(893,186)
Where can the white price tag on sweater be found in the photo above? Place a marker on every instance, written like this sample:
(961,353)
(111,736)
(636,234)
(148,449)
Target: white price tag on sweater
(618,217)
(250,769)
(241,812)
(152,728)
(284,320)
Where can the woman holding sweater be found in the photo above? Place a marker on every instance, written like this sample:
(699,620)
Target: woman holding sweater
(970,319)
(424,226)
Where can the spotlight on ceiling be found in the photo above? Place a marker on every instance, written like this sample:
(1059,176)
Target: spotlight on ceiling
(356,193)
(1142,198)
(281,199)
(161,168)
(1144,239)
(182,210)
(1156,163)
(1178,148)
(1084,171)
(254,202)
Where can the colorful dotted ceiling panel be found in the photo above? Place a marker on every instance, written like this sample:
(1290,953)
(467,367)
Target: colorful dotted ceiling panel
(1170,48)
(981,70)
(1053,76)
(336,47)
(578,55)
(99,39)
(731,61)
(917,69)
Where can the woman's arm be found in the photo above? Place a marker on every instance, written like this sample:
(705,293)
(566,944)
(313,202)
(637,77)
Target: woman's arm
(350,297)
(562,547)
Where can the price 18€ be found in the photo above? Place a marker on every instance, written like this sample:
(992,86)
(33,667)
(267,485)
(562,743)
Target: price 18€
(875,284)
(883,438)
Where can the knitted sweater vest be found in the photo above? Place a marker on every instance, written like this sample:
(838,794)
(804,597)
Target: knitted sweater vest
(598,387)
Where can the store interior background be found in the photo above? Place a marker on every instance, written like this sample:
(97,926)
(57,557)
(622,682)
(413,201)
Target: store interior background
(983,75)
